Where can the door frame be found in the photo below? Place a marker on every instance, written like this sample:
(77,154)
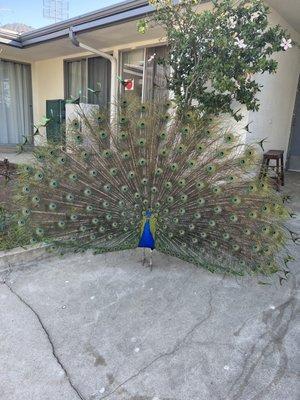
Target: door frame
(293,128)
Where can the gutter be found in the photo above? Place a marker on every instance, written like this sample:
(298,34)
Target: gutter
(119,13)
(114,69)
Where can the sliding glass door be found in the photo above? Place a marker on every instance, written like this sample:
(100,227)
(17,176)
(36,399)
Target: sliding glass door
(15,102)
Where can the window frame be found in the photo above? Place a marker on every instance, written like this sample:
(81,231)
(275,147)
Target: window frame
(69,60)
(120,64)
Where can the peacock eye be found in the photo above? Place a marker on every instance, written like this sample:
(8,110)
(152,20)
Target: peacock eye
(78,139)
(26,211)
(113,171)
(131,174)
(39,231)
(26,189)
(54,184)
(210,168)
(141,142)
(142,162)
(61,224)
(174,167)
(52,206)
(93,172)
(103,135)
(35,199)
(170,199)
(73,177)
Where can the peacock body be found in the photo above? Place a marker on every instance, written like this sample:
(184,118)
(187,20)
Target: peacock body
(184,185)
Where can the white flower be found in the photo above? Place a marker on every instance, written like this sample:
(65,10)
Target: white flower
(255,15)
(286,44)
(152,57)
(240,43)
(232,22)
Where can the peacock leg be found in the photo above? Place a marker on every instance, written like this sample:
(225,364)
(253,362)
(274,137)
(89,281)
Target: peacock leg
(144,257)
(151,260)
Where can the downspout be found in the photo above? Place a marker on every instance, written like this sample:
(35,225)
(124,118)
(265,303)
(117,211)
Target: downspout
(114,69)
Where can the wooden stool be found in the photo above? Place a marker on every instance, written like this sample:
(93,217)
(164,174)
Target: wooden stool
(278,168)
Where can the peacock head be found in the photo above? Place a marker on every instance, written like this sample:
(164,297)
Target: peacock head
(148,213)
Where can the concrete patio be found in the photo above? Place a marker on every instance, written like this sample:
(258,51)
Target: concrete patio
(104,327)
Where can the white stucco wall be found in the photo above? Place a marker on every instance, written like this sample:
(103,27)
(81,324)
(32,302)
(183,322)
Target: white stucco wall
(277,98)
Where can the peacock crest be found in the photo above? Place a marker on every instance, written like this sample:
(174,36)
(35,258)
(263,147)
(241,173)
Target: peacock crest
(187,179)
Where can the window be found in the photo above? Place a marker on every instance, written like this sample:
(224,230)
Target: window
(88,79)
(15,102)
(142,67)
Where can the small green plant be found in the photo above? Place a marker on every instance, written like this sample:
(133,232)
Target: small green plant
(215,54)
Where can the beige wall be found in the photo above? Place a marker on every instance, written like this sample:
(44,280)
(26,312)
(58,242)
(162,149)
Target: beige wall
(277,98)
(47,84)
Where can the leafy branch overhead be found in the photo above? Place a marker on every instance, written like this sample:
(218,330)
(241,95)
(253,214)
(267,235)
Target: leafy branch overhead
(215,54)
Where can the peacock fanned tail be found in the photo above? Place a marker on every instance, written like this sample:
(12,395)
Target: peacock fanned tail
(200,184)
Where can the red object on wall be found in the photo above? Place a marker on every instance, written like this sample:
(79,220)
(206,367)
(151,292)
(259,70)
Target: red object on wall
(129,84)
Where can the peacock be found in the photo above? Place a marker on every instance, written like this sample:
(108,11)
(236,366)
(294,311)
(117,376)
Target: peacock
(181,183)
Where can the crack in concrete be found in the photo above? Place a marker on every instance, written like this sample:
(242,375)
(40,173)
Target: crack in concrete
(267,343)
(178,346)
(59,362)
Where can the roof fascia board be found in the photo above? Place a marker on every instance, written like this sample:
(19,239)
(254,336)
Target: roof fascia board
(87,26)
(94,15)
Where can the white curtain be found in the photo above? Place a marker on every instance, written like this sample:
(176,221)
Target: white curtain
(76,80)
(89,79)
(15,102)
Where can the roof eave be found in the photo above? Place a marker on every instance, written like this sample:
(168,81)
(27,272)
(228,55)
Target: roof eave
(119,13)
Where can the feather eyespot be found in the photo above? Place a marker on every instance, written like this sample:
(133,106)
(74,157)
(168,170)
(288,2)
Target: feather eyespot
(131,174)
(142,162)
(39,231)
(52,206)
(103,135)
(70,197)
(39,176)
(174,167)
(26,189)
(35,200)
(54,184)
(26,211)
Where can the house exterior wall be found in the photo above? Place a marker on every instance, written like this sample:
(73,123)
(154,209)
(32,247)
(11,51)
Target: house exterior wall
(48,79)
(277,99)
(47,84)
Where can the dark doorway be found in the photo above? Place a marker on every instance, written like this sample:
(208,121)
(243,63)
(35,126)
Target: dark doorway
(293,158)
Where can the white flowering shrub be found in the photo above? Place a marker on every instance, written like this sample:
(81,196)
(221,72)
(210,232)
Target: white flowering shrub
(215,54)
